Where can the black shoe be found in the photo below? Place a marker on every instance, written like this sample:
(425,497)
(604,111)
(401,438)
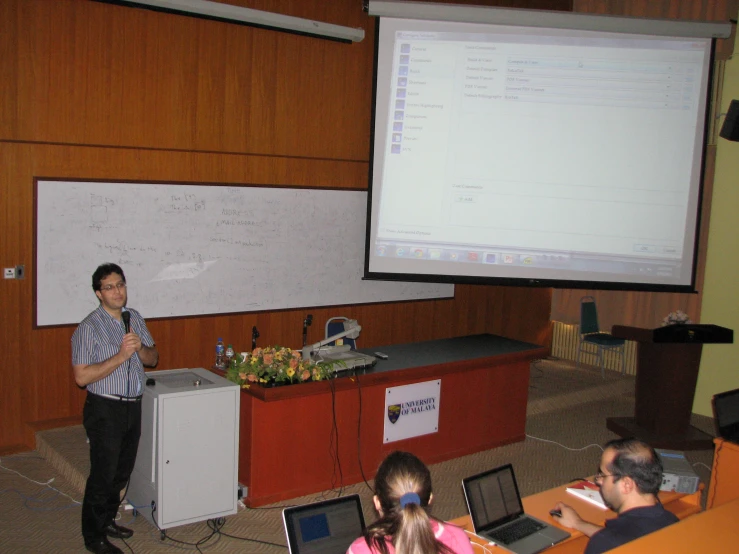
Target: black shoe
(115,531)
(103,546)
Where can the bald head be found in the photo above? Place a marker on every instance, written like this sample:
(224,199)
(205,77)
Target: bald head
(635,459)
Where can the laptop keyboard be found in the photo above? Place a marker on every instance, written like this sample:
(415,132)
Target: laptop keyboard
(516,531)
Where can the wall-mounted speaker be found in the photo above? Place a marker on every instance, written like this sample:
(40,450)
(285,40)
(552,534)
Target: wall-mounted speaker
(730,128)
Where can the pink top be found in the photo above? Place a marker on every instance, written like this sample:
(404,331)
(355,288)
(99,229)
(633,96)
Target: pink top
(450,535)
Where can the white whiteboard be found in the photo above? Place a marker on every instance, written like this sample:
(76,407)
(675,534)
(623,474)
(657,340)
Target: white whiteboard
(197,249)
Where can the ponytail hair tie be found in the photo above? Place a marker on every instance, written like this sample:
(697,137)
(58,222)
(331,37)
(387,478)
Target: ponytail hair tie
(409,498)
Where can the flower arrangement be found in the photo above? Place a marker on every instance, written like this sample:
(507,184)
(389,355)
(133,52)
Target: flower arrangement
(677,317)
(275,365)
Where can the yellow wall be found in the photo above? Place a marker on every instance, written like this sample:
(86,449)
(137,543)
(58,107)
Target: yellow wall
(720,362)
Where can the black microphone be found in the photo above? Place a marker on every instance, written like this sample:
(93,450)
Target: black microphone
(126,321)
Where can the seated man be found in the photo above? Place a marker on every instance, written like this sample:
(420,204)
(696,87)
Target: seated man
(629,478)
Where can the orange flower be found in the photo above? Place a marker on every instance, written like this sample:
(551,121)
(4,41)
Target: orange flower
(275,365)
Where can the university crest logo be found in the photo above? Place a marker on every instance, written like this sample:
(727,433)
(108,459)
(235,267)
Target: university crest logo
(393,413)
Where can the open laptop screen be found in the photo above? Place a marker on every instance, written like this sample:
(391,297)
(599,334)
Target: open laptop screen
(726,412)
(493,497)
(327,527)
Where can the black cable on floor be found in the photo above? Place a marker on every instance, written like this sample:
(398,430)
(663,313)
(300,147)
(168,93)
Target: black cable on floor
(359,434)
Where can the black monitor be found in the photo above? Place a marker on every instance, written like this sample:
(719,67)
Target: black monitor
(726,415)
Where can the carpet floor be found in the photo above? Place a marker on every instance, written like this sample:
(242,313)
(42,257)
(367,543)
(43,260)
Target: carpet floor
(40,491)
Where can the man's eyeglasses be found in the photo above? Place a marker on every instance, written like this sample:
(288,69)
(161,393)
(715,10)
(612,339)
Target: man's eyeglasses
(108,288)
(599,476)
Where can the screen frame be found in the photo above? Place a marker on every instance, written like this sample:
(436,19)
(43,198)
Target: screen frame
(544,282)
(291,515)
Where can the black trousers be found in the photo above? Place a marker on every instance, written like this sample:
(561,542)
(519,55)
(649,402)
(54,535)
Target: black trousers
(114,428)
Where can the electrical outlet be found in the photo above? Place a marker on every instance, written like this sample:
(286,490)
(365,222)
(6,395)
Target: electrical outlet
(9,273)
(241,491)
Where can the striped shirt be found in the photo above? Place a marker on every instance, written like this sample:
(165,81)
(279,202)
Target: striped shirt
(99,338)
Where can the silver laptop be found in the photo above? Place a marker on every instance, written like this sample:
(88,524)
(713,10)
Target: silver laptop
(497,513)
(327,527)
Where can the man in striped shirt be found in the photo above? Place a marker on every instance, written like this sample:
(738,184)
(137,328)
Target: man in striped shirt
(109,352)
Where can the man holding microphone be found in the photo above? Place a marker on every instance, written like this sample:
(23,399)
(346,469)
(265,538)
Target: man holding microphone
(110,348)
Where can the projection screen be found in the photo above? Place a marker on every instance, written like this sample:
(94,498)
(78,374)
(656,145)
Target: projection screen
(537,156)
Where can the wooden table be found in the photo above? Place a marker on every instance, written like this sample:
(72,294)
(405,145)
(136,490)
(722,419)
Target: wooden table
(538,505)
(724,485)
(714,530)
(287,433)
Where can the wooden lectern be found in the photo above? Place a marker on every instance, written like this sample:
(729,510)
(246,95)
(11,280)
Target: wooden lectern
(668,360)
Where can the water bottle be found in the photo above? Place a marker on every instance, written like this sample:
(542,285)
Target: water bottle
(229,355)
(220,354)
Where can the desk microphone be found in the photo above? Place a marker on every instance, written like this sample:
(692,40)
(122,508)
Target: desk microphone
(126,321)
(306,323)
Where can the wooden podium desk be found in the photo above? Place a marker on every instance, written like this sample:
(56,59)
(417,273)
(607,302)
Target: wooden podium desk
(668,360)
(287,433)
(538,505)
(724,484)
(714,530)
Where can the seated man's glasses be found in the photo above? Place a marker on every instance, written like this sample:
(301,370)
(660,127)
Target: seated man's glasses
(599,476)
(108,288)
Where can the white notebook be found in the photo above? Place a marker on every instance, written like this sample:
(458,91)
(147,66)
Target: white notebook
(589,492)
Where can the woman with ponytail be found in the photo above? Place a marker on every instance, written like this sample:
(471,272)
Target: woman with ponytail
(402,498)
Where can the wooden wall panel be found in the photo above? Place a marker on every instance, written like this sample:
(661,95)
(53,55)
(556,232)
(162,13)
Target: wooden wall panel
(90,73)
(702,10)
(707,10)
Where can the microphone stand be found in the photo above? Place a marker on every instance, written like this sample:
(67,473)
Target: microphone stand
(306,323)
(352,332)
(254,337)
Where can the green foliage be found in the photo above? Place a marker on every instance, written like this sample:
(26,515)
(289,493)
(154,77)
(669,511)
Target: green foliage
(275,364)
